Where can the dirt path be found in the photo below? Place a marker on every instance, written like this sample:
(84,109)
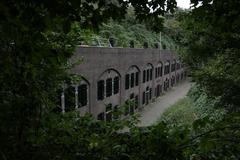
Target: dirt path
(152,112)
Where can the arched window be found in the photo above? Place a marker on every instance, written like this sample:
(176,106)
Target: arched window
(148,73)
(173,66)
(108,84)
(70,101)
(82,95)
(158,70)
(75,95)
(116,85)
(132,77)
(166,68)
(100,89)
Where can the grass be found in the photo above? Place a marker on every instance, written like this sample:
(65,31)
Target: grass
(182,112)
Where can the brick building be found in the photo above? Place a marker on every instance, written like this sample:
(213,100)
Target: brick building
(114,76)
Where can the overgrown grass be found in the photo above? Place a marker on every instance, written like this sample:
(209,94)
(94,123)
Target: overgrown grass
(181,113)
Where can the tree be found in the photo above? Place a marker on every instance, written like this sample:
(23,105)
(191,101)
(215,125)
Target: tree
(36,42)
(212,48)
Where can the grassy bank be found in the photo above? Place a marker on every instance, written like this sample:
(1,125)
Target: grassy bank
(182,112)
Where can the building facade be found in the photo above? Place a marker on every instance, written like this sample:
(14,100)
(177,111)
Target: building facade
(115,76)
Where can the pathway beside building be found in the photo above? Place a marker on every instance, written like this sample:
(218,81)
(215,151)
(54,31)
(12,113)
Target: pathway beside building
(151,113)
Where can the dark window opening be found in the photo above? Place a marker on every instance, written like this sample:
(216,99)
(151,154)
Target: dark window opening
(148,75)
(108,87)
(157,91)
(116,85)
(173,67)
(131,95)
(101,116)
(161,68)
(82,95)
(143,98)
(132,80)
(136,101)
(156,72)
(144,76)
(136,79)
(150,93)
(127,81)
(166,69)
(69,98)
(100,89)
(151,74)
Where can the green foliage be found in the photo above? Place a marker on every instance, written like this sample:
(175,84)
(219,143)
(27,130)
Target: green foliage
(181,113)
(206,106)
(205,132)
(212,50)
(130,29)
(70,136)
(36,40)
(38,37)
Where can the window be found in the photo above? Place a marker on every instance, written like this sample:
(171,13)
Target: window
(160,90)
(151,74)
(143,98)
(132,80)
(148,75)
(173,67)
(108,87)
(131,95)
(127,81)
(82,95)
(161,68)
(136,78)
(109,112)
(136,101)
(150,93)
(101,116)
(116,85)
(156,72)
(167,69)
(144,76)
(157,91)
(70,98)
(100,89)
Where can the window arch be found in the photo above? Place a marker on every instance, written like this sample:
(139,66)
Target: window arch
(132,77)
(147,73)
(173,66)
(82,93)
(158,70)
(75,95)
(166,67)
(108,84)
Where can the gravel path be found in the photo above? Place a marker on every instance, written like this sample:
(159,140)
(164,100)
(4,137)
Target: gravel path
(152,112)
